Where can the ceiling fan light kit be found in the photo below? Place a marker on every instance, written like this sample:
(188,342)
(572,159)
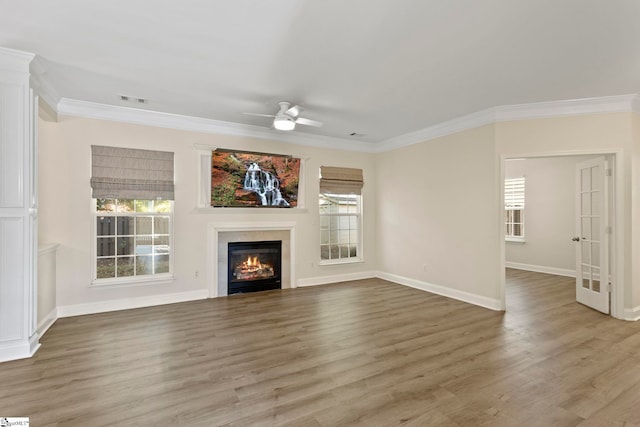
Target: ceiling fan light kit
(284,123)
(287,117)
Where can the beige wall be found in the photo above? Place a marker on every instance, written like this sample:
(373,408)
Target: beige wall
(437,217)
(440,213)
(433,212)
(65,204)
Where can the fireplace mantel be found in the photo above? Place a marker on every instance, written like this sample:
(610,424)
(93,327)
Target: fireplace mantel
(213,236)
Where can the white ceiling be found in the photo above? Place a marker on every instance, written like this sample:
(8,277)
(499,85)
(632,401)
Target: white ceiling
(381,68)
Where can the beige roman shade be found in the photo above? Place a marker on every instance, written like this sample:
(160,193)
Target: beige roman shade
(125,173)
(340,180)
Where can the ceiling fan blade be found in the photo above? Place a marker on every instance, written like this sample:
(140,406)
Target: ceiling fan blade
(308,122)
(260,115)
(294,111)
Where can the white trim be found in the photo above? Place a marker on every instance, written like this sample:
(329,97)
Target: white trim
(21,350)
(339,261)
(486,302)
(632,314)
(541,269)
(537,110)
(215,228)
(117,113)
(129,303)
(47,322)
(458,124)
(568,107)
(261,210)
(41,84)
(325,280)
(9,59)
(514,239)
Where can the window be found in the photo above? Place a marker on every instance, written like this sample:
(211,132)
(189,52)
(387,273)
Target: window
(133,238)
(132,191)
(514,209)
(339,227)
(340,215)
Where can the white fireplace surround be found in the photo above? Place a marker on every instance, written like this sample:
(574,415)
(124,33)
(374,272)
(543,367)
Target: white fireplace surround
(217,233)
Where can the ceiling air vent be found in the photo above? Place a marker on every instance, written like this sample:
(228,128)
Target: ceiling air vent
(133,99)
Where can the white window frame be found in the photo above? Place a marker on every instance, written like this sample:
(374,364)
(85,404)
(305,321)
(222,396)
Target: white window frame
(130,280)
(358,214)
(514,200)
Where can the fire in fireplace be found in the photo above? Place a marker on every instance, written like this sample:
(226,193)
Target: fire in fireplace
(254,266)
(253,269)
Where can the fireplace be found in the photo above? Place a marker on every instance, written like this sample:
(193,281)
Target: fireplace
(254,266)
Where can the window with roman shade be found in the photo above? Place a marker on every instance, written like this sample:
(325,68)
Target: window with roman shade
(514,209)
(127,173)
(340,209)
(133,192)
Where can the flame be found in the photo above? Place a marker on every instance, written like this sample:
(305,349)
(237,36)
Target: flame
(252,268)
(252,262)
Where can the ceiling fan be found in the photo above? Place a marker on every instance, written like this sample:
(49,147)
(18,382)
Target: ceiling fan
(288,117)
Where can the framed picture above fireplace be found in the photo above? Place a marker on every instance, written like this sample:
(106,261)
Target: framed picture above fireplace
(248,179)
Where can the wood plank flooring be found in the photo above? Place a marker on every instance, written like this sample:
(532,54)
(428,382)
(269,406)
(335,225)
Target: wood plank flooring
(363,353)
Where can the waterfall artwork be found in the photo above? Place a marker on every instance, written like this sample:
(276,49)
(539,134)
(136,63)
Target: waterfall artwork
(244,179)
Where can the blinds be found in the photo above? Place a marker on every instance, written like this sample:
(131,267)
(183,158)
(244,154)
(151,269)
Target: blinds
(340,180)
(125,173)
(514,193)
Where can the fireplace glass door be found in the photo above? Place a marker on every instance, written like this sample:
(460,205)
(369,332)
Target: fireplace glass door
(254,266)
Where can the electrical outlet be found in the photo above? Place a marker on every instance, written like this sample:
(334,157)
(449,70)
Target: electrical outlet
(197,274)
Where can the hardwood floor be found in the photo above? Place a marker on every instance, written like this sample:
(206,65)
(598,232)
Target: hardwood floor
(367,353)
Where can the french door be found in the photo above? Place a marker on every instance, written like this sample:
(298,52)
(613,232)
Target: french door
(592,242)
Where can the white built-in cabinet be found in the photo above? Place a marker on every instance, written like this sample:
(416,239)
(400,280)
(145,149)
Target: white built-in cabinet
(18,207)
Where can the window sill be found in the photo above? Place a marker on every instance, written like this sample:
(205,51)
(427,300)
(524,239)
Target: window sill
(341,261)
(514,239)
(134,281)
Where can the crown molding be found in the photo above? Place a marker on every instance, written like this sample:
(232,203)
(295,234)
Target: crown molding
(537,110)
(570,107)
(459,124)
(635,104)
(41,84)
(95,110)
(15,60)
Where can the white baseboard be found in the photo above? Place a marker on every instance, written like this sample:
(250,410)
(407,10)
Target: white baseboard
(490,303)
(129,303)
(47,322)
(632,314)
(19,349)
(325,280)
(541,269)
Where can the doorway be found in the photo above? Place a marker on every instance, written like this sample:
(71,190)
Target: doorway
(549,223)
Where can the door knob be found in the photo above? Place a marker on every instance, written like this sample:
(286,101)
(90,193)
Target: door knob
(576,239)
